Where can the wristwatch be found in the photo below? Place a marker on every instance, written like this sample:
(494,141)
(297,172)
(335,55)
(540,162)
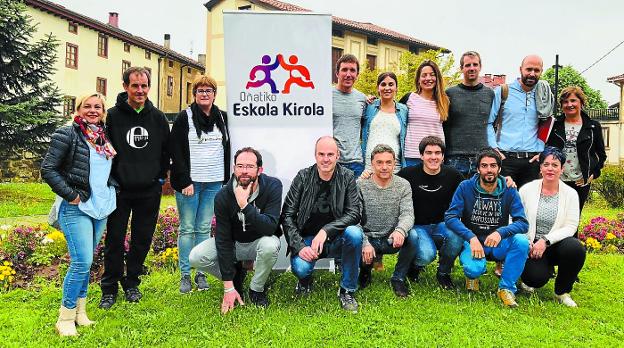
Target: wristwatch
(547,241)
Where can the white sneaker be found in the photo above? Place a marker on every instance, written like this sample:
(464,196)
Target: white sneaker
(566,300)
(526,288)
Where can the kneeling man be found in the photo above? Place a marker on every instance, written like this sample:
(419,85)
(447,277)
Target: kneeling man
(247,211)
(387,220)
(479,213)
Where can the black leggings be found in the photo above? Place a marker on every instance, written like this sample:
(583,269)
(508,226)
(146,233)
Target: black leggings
(568,254)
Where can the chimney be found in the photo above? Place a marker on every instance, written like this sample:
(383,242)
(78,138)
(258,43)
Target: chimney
(167,41)
(201,58)
(488,79)
(113,19)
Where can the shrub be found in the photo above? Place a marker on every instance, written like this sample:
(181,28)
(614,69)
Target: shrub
(18,244)
(610,185)
(166,234)
(603,234)
(167,259)
(7,275)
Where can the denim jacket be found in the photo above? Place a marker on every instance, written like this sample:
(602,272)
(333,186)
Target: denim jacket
(371,111)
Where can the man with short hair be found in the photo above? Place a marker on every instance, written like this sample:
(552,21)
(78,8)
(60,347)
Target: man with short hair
(465,130)
(323,201)
(348,113)
(479,213)
(433,185)
(513,133)
(247,211)
(139,132)
(387,220)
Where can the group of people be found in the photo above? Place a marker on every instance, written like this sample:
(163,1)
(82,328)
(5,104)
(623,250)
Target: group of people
(389,180)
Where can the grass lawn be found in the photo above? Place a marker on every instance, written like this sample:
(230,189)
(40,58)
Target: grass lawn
(25,199)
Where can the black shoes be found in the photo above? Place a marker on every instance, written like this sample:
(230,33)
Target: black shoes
(107,301)
(366,277)
(445,281)
(399,287)
(133,295)
(347,301)
(413,274)
(304,286)
(260,299)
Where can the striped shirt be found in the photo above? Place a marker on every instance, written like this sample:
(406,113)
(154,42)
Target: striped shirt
(206,154)
(423,120)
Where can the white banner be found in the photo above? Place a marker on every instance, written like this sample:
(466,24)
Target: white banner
(279,87)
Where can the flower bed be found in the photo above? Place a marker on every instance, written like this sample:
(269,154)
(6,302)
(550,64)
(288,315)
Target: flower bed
(604,235)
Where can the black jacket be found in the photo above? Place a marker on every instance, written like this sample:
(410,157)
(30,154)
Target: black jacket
(345,203)
(140,140)
(589,144)
(261,219)
(65,166)
(180,153)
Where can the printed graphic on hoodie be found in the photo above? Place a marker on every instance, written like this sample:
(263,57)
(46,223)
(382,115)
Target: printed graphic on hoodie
(486,213)
(137,137)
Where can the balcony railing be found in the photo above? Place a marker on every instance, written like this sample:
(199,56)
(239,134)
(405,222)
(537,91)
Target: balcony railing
(612,114)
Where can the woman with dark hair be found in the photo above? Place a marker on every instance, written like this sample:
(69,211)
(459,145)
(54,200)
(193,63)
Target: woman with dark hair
(200,152)
(77,167)
(580,138)
(552,209)
(385,121)
(428,108)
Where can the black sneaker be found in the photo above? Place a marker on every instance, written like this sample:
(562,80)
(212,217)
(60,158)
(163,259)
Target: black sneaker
(200,280)
(347,301)
(185,284)
(260,299)
(399,287)
(445,281)
(413,273)
(239,278)
(133,295)
(304,286)
(107,301)
(366,277)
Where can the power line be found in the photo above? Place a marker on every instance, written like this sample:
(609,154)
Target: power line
(601,58)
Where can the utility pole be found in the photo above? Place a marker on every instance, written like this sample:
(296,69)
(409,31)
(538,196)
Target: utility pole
(556,91)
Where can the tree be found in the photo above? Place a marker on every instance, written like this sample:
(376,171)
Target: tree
(568,76)
(406,72)
(28,99)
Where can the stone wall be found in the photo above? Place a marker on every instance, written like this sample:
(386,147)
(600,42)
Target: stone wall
(21,168)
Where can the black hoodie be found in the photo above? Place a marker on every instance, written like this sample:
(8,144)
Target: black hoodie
(140,140)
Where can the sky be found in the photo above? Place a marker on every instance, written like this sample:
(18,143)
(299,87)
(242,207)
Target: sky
(502,32)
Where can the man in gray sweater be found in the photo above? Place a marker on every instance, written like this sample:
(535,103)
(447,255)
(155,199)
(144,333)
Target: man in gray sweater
(387,219)
(465,130)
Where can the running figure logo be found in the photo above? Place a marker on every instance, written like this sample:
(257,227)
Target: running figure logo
(291,66)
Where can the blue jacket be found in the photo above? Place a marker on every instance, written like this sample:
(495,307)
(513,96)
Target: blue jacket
(475,212)
(371,111)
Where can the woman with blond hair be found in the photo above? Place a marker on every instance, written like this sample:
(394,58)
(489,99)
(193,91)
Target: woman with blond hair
(77,167)
(428,108)
(200,152)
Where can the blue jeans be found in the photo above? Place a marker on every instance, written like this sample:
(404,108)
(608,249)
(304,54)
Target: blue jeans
(347,245)
(356,167)
(513,251)
(82,233)
(437,237)
(410,162)
(196,214)
(465,164)
(407,252)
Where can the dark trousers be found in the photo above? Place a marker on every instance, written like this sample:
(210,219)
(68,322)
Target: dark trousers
(144,217)
(520,170)
(568,254)
(583,193)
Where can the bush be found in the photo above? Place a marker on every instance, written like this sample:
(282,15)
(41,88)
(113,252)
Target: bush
(603,234)
(166,234)
(610,185)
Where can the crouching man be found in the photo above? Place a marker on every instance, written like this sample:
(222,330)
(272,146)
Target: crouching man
(247,211)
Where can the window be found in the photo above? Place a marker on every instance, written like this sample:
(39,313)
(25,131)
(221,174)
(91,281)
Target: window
(69,104)
(371,41)
(170,85)
(72,28)
(336,54)
(371,61)
(243,8)
(337,33)
(103,45)
(126,47)
(100,85)
(605,136)
(188,70)
(125,65)
(171,63)
(148,54)
(414,49)
(189,92)
(71,56)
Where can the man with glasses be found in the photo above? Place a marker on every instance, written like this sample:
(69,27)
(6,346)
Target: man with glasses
(479,213)
(247,211)
(322,202)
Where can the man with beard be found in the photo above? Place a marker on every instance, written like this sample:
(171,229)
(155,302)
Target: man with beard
(247,211)
(479,213)
(465,130)
(512,128)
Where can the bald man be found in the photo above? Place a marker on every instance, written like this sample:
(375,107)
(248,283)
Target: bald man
(516,137)
(322,202)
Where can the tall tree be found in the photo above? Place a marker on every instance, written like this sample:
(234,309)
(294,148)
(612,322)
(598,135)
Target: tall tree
(568,76)
(29,100)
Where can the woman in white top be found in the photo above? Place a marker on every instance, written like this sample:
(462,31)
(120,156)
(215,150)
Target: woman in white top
(552,209)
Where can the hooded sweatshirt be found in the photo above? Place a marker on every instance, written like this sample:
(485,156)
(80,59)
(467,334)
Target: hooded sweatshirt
(140,139)
(475,212)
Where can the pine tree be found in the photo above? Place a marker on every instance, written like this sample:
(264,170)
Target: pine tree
(29,100)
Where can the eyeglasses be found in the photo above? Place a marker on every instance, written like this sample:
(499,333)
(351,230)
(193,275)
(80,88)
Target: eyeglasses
(207,91)
(246,166)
